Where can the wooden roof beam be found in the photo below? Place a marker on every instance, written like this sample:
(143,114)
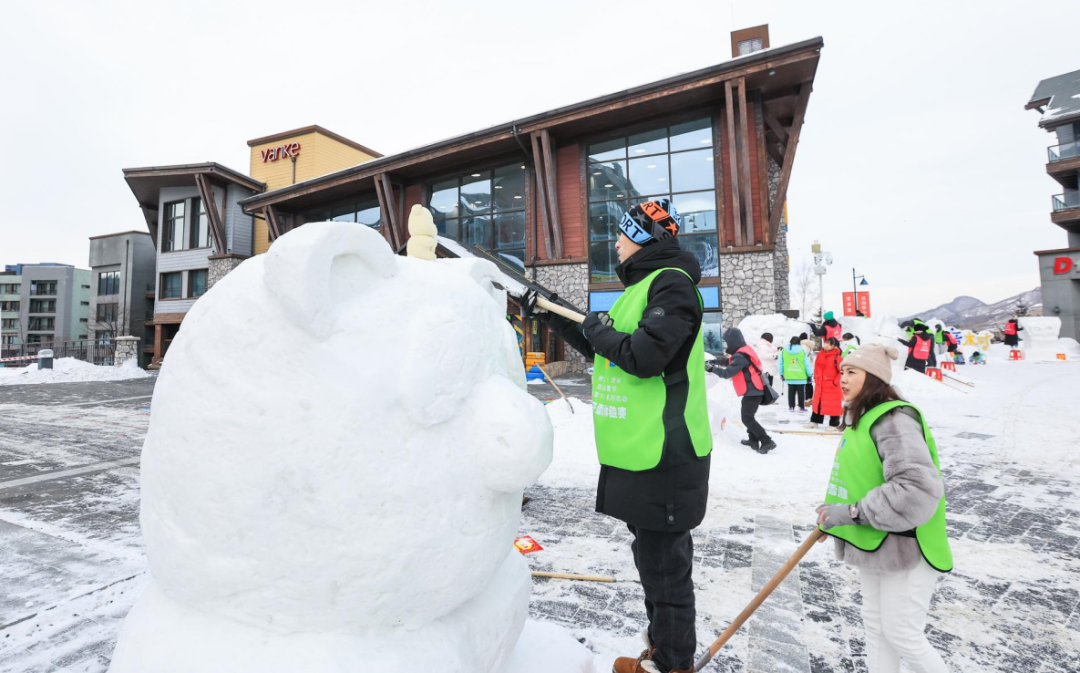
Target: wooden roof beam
(552,193)
(217,227)
(733,161)
(777,207)
(273,224)
(541,184)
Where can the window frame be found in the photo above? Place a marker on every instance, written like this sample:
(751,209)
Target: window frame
(195,225)
(169,235)
(115,312)
(490,167)
(714,114)
(355,202)
(190,284)
(161,285)
(110,280)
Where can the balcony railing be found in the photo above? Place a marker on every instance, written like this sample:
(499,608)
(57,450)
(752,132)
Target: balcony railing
(1063,151)
(1066,201)
(35,292)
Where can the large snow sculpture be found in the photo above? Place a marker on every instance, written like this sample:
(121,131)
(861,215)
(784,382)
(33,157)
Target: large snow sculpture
(333,473)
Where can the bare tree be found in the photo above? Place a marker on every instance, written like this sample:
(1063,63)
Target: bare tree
(110,322)
(805,288)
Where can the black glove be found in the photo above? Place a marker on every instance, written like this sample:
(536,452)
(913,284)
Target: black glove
(528,304)
(722,361)
(594,320)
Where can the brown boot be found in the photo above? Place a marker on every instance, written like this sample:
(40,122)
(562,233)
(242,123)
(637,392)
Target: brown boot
(641,665)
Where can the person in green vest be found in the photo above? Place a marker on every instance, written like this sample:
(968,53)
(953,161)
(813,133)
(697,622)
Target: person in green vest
(795,371)
(939,339)
(848,343)
(651,424)
(885,508)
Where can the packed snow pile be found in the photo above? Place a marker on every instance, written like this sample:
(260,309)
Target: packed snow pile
(70,370)
(349,497)
(780,326)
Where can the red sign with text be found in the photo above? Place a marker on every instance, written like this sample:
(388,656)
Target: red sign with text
(1062,265)
(864,303)
(289,151)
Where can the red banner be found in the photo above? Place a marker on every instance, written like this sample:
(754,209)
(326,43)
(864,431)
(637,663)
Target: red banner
(864,303)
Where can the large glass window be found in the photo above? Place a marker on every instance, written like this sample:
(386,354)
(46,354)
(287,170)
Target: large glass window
(106,313)
(108,283)
(197,283)
(174,227)
(200,225)
(9,306)
(485,208)
(364,212)
(674,162)
(42,306)
(10,288)
(170,285)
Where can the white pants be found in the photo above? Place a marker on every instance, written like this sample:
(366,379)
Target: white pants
(894,614)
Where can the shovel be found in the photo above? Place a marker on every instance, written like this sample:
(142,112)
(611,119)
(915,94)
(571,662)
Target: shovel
(759,599)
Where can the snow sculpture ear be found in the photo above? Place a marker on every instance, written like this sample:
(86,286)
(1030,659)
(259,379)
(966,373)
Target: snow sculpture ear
(313,269)
(487,276)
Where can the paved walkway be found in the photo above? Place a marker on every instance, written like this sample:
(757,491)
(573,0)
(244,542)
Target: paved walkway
(71,559)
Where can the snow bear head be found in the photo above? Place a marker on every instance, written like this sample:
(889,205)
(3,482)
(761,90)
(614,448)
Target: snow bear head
(339,438)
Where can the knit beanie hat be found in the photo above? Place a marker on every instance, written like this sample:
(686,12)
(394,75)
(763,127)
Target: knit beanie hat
(651,221)
(873,359)
(828,315)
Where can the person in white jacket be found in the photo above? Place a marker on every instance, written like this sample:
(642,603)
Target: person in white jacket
(767,353)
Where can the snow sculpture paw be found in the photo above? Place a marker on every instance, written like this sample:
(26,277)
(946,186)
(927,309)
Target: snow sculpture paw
(333,473)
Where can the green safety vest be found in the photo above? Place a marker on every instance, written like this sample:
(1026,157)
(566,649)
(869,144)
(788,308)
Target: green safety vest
(794,365)
(857,470)
(939,337)
(628,412)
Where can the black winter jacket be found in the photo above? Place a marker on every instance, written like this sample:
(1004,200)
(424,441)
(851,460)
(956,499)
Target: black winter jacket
(740,362)
(673,495)
(820,331)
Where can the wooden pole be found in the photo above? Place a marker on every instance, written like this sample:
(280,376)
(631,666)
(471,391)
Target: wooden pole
(759,599)
(560,310)
(556,387)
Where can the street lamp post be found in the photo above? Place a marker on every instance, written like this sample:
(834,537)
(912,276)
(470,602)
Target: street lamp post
(855,287)
(821,259)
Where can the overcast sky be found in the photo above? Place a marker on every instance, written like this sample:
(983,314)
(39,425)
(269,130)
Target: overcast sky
(918,164)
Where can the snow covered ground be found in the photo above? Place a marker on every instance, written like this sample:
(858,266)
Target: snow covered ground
(67,370)
(1008,449)
(71,559)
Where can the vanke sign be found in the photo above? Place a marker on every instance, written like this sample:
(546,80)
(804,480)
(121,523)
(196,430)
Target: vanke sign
(289,151)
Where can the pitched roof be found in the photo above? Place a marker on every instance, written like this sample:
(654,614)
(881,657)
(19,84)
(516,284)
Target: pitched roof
(1061,97)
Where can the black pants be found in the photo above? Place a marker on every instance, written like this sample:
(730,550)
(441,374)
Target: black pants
(809,389)
(665,562)
(796,392)
(834,421)
(749,411)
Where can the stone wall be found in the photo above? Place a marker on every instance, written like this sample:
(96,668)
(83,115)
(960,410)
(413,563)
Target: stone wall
(571,282)
(219,268)
(781,262)
(748,281)
(127,348)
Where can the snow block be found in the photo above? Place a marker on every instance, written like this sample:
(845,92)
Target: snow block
(345,494)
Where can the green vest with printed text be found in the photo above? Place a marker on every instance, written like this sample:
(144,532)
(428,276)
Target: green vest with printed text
(628,411)
(858,470)
(794,365)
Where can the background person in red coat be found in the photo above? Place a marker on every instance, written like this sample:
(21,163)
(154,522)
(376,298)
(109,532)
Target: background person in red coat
(828,398)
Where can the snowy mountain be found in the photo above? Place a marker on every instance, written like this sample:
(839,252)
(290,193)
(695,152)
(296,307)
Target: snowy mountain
(970,313)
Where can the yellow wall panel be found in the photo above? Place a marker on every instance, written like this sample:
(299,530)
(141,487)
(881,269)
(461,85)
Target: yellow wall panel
(318,156)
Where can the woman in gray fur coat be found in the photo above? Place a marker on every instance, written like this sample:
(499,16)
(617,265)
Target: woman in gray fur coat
(885,509)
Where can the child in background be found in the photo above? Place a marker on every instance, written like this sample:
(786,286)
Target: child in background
(808,346)
(795,371)
(849,343)
(767,353)
(977,358)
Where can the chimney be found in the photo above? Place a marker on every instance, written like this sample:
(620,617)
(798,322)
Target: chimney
(749,40)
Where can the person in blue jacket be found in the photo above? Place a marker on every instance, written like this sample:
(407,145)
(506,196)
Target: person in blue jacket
(795,370)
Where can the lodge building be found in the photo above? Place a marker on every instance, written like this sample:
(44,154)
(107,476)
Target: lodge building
(544,193)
